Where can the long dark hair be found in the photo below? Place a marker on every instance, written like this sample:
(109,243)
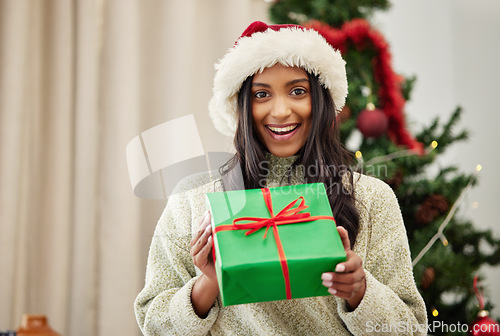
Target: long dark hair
(322,151)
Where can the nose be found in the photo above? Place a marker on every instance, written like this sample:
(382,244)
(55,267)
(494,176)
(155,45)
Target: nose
(281,108)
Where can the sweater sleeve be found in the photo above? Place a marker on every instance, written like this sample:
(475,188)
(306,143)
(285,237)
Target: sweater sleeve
(164,306)
(392,304)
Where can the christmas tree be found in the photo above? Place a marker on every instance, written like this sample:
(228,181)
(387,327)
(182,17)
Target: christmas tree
(445,248)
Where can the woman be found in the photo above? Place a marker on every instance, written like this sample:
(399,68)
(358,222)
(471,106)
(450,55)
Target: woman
(277,91)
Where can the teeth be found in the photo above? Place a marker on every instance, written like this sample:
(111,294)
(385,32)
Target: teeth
(282,129)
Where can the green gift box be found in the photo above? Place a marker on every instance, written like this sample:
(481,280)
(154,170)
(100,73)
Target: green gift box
(273,243)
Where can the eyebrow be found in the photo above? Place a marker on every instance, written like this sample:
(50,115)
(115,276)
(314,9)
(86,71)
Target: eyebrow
(292,82)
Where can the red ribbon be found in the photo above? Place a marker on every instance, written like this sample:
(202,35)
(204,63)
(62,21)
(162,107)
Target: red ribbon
(289,215)
(479,294)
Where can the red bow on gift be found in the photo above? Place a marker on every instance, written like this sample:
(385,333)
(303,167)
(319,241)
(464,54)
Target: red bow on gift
(289,215)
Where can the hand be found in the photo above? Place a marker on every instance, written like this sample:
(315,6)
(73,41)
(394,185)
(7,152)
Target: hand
(348,281)
(201,247)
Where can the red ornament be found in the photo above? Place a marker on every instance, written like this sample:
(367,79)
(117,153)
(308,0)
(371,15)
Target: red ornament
(483,325)
(372,122)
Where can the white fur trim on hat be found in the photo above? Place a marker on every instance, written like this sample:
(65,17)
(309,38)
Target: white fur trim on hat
(290,46)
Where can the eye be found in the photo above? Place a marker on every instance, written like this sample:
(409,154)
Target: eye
(261,94)
(298,91)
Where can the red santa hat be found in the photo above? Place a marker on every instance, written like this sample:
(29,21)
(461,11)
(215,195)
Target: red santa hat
(262,46)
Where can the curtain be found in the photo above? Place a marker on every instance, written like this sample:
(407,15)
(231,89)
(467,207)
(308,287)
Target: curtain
(78,80)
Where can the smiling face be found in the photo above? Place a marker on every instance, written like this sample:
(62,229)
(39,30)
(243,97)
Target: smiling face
(281,109)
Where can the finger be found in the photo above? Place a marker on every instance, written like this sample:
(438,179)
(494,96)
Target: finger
(202,241)
(200,228)
(352,288)
(347,278)
(345,288)
(205,220)
(340,293)
(353,263)
(202,224)
(203,258)
(345,238)
(327,276)
(333,277)
(205,251)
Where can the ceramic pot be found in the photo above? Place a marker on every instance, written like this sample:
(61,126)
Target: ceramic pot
(35,325)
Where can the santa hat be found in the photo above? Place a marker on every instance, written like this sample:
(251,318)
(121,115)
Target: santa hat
(262,46)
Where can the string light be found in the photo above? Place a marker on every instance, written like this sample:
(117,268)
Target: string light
(451,213)
(435,312)
(399,154)
(439,233)
(370,106)
(444,240)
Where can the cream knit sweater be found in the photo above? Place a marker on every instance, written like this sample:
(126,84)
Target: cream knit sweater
(391,305)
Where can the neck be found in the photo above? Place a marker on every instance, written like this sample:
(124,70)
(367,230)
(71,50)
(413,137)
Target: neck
(280,171)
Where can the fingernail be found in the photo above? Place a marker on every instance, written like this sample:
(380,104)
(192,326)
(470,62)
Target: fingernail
(327,283)
(332,291)
(327,276)
(340,268)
